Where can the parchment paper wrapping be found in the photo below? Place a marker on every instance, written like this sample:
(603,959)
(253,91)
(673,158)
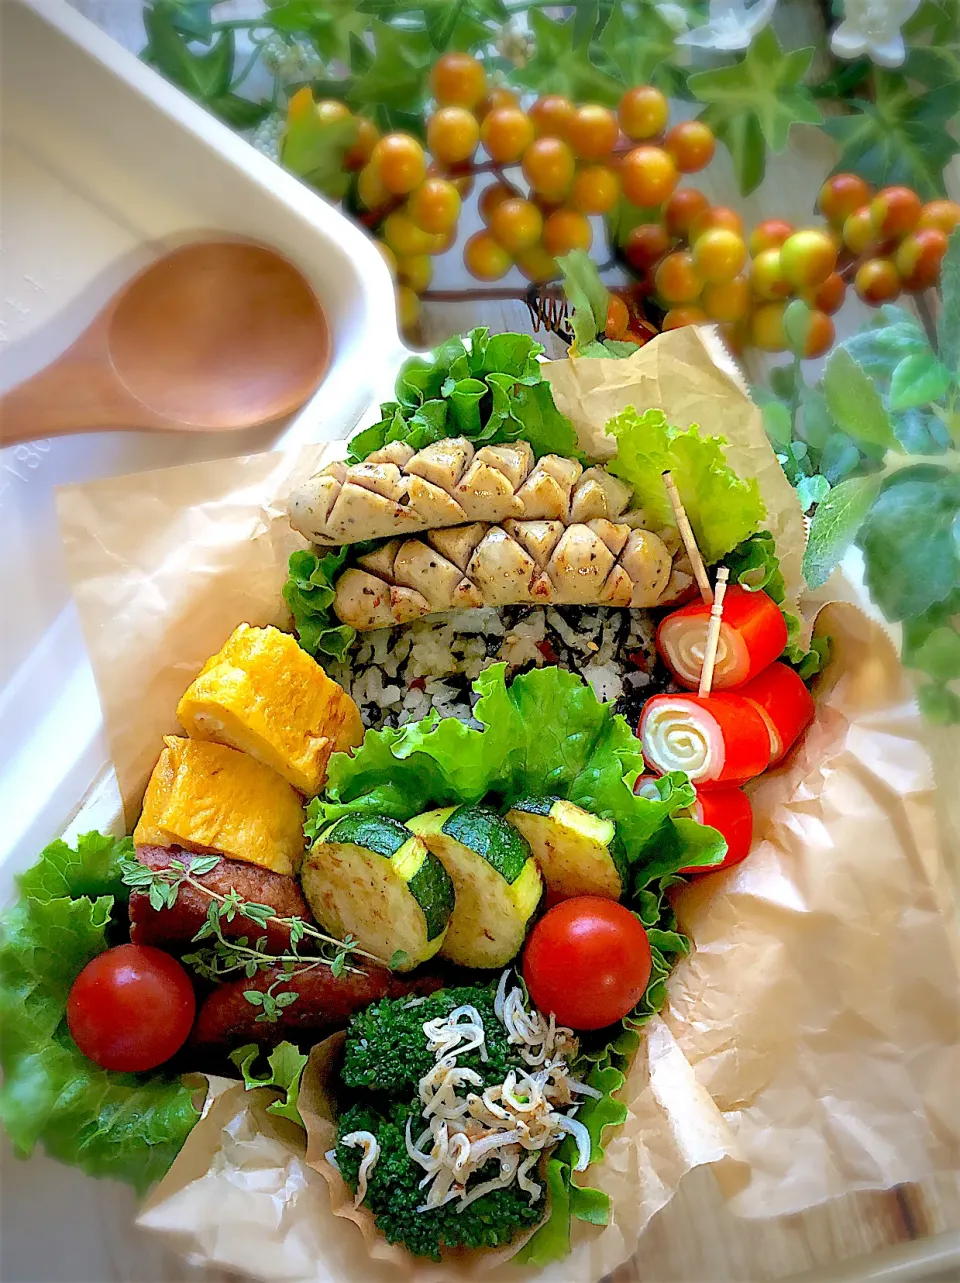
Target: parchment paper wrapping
(810,1043)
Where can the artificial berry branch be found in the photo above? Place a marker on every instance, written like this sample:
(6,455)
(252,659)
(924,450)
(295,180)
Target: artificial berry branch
(557,165)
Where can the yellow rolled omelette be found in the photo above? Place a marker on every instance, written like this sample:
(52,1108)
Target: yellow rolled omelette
(261,693)
(209,798)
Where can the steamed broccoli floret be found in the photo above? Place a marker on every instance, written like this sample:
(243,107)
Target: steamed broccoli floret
(393,1195)
(387,1051)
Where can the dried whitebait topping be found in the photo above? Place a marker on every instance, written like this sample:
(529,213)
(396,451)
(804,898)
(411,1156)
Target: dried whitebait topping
(371,1152)
(517,1120)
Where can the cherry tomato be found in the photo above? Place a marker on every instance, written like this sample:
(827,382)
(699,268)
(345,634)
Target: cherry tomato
(588,961)
(131,1008)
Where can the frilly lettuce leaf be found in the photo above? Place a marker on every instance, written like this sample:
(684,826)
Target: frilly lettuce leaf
(545,733)
(723,507)
(91,869)
(126,1126)
(286,1064)
(568,1200)
(309,593)
(491,393)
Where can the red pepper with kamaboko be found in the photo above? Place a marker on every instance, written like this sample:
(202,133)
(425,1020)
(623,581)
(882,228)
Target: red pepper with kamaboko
(714,739)
(784,703)
(727,810)
(753,634)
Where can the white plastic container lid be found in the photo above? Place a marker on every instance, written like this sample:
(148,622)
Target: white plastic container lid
(105,164)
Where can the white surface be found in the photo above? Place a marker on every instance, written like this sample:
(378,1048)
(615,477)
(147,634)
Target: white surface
(104,165)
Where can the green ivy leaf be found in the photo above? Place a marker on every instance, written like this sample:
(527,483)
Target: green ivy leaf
(939,20)
(835,525)
(855,403)
(742,136)
(192,18)
(315,149)
(398,75)
(587,295)
(329,24)
(585,19)
(934,65)
(948,324)
(559,66)
(918,380)
(240,113)
(639,44)
(760,97)
(900,137)
(204,76)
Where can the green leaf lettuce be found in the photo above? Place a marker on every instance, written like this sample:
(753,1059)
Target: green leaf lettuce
(546,733)
(491,392)
(309,593)
(723,507)
(129,1127)
(286,1064)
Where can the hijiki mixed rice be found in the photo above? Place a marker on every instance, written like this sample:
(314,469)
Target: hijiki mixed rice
(398,675)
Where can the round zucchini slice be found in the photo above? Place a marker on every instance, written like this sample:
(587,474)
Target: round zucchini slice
(369,876)
(495,878)
(575,850)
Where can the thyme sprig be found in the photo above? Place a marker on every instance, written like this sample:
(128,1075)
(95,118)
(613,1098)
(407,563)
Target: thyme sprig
(226,956)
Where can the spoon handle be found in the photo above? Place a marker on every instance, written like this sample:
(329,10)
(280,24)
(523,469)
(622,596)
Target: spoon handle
(74,394)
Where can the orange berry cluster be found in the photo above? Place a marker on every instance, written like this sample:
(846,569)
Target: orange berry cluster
(570,162)
(698,263)
(574,161)
(898,242)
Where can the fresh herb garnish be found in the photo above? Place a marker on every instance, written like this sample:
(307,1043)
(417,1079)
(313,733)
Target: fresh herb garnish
(226,956)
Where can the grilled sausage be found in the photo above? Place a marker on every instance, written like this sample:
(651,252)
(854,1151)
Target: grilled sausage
(170,928)
(325,1002)
(598,562)
(395,492)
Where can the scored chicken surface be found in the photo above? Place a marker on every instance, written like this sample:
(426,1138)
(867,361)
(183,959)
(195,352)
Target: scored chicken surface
(541,562)
(397,491)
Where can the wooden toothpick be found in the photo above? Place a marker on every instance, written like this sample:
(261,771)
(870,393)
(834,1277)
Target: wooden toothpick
(689,542)
(713,633)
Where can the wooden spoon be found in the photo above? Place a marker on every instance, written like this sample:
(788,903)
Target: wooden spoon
(214,336)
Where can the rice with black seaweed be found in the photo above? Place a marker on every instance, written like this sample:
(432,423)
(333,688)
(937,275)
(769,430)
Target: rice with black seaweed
(397,675)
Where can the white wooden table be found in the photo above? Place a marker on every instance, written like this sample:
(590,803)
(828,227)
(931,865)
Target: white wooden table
(57,1226)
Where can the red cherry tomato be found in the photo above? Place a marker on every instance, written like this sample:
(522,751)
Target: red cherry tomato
(588,961)
(131,1008)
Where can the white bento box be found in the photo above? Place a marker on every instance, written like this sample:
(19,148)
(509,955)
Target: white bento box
(105,164)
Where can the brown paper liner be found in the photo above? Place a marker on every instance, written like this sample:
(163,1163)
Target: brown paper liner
(809,1046)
